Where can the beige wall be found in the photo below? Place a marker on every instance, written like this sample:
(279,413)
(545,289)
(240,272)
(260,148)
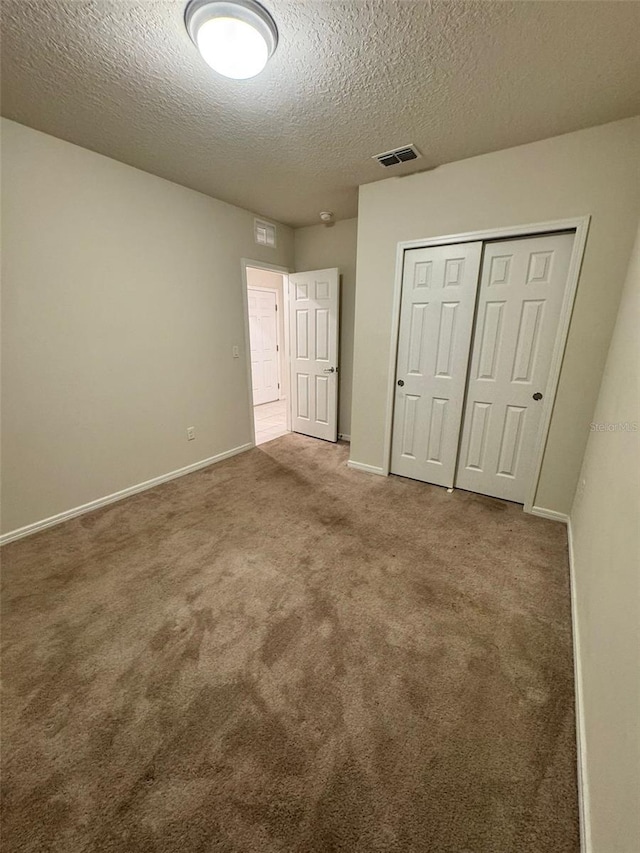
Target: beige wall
(320,247)
(605,524)
(593,172)
(273,281)
(122,299)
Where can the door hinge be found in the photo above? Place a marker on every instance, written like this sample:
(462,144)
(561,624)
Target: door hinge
(277,348)
(276,306)
(278,384)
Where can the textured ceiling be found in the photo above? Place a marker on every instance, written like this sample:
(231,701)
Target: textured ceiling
(348,80)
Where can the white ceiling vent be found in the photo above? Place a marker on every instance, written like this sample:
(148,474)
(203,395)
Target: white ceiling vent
(398,155)
(264,233)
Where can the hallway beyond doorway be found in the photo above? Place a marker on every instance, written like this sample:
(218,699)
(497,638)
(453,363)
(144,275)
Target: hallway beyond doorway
(270,420)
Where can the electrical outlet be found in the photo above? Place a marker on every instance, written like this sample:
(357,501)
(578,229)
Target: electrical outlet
(236,352)
(191,433)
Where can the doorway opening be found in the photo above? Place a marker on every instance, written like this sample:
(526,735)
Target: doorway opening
(266,289)
(292,324)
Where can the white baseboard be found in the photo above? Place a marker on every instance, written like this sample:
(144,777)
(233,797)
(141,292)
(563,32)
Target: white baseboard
(343,436)
(583,779)
(368,469)
(21,532)
(549,513)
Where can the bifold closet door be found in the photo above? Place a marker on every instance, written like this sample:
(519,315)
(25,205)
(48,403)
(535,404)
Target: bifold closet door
(521,295)
(436,316)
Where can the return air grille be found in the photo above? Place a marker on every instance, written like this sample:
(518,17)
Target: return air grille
(264,233)
(398,155)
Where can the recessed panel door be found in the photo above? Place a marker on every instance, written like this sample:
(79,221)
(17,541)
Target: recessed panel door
(521,295)
(263,335)
(436,316)
(314,302)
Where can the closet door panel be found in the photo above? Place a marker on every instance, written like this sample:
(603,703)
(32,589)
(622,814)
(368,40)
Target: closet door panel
(439,288)
(522,286)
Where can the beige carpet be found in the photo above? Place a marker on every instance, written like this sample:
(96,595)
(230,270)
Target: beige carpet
(278,653)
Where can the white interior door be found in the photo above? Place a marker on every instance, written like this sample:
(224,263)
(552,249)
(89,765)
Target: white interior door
(263,335)
(521,294)
(314,302)
(439,287)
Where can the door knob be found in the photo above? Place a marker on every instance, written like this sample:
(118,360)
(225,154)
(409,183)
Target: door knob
(329,370)
(537,396)
(401,382)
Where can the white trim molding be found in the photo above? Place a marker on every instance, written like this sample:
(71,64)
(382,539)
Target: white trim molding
(68,514)
(549,513)
(581,743)
(368,469)
(580,225)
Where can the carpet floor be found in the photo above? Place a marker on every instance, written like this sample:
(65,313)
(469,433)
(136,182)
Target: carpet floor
(278,654)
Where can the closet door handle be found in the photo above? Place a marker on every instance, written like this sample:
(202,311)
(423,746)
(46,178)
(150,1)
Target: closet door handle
(537,396)
(401,382)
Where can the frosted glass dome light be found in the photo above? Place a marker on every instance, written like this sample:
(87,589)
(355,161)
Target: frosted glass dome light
(235,37)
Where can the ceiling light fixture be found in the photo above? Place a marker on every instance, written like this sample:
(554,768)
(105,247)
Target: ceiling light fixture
(235,37)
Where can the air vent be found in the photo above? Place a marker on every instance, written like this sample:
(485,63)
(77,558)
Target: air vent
(264,233)
(398,155)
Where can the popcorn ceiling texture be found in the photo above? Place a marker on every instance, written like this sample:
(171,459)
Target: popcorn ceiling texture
(348,80)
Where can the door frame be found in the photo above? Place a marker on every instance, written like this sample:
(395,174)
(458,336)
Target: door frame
(263,265)
(580,225)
